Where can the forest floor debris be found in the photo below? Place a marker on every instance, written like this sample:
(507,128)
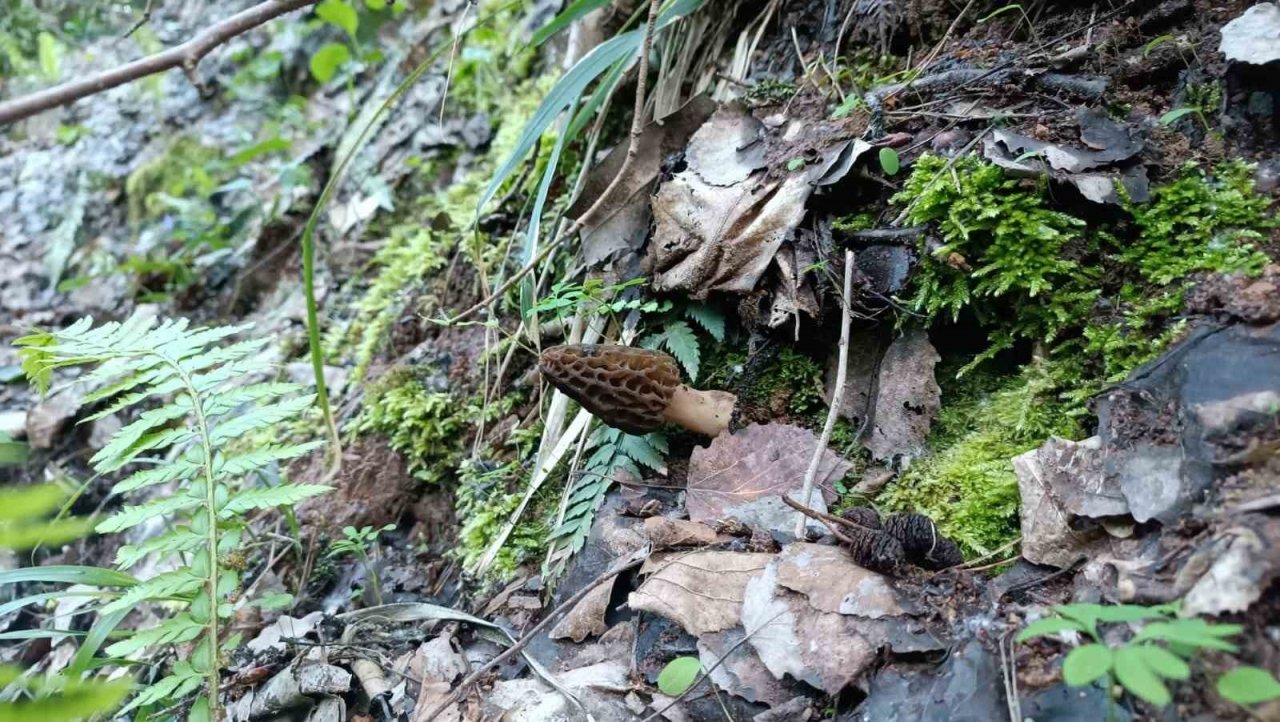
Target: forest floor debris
(1055,238)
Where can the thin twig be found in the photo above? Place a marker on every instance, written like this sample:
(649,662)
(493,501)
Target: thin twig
(972,563)
(453,56)
(821,518)
(142,19)
(633,150)
(456,694)
(993,565)
(836,395)
(707,674)
(185,56)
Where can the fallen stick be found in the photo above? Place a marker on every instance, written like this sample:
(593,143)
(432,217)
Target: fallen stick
(184,56)
(836,395)
(819,517)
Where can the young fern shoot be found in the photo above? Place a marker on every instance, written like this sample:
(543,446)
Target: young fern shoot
(207,408)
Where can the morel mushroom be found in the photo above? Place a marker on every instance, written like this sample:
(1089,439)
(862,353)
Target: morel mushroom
(634,389)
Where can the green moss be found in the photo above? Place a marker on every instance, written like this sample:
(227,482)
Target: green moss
(1014,245)
(1099,301)
(770,91)
(854,222)
(1199,223)
(1030,273)
(967,484)
(488,493)
(423,425)
(409,255)
(185,169)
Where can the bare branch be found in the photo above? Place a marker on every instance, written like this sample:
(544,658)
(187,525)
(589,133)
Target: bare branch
(142,19)
(184,56)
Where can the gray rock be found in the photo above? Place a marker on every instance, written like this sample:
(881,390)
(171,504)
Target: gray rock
(1165,428)
(968,687)
(48,418)
(1254,37)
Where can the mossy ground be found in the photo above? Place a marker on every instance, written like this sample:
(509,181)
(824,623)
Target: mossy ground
(1092,302)
(433,428)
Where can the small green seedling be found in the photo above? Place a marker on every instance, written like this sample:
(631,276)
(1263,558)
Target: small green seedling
(594,296)
(1156,654)
(889,161)
(678,676)
(358,542)
(1248,685)
(1177,114)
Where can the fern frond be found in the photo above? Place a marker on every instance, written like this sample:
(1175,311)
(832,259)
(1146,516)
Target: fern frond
(233,399)
(709,318)
(161,586)
(242,464)
(132,433)
(204,395)
(680,341)
(259,418)
(131,516)
(267,497)
(104,462)
(649,450)
(184,468)
(184,674)
(182,539)
(110,379)
(182,628)
(613,452)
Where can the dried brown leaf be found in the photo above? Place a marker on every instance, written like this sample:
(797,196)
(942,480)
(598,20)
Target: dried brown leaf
(700,591)
(743,475)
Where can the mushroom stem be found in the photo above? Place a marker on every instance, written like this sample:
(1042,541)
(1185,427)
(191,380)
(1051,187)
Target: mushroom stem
(704,412)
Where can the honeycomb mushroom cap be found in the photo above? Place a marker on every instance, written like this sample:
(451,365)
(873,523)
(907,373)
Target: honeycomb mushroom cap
(626,388)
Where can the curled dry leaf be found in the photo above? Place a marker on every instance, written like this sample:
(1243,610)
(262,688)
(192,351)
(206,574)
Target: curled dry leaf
(621,223)
(720,221)
(831,582)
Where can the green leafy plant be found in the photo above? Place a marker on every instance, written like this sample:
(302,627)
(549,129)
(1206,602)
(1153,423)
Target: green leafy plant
(678,675)
(63,697)
(1143,664)
(594,296)
(12,452)
(1177,114)
(358,542)
(1248,685)
(612,453)
(677,336)
(332,56)
(205,423)
(889,161)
